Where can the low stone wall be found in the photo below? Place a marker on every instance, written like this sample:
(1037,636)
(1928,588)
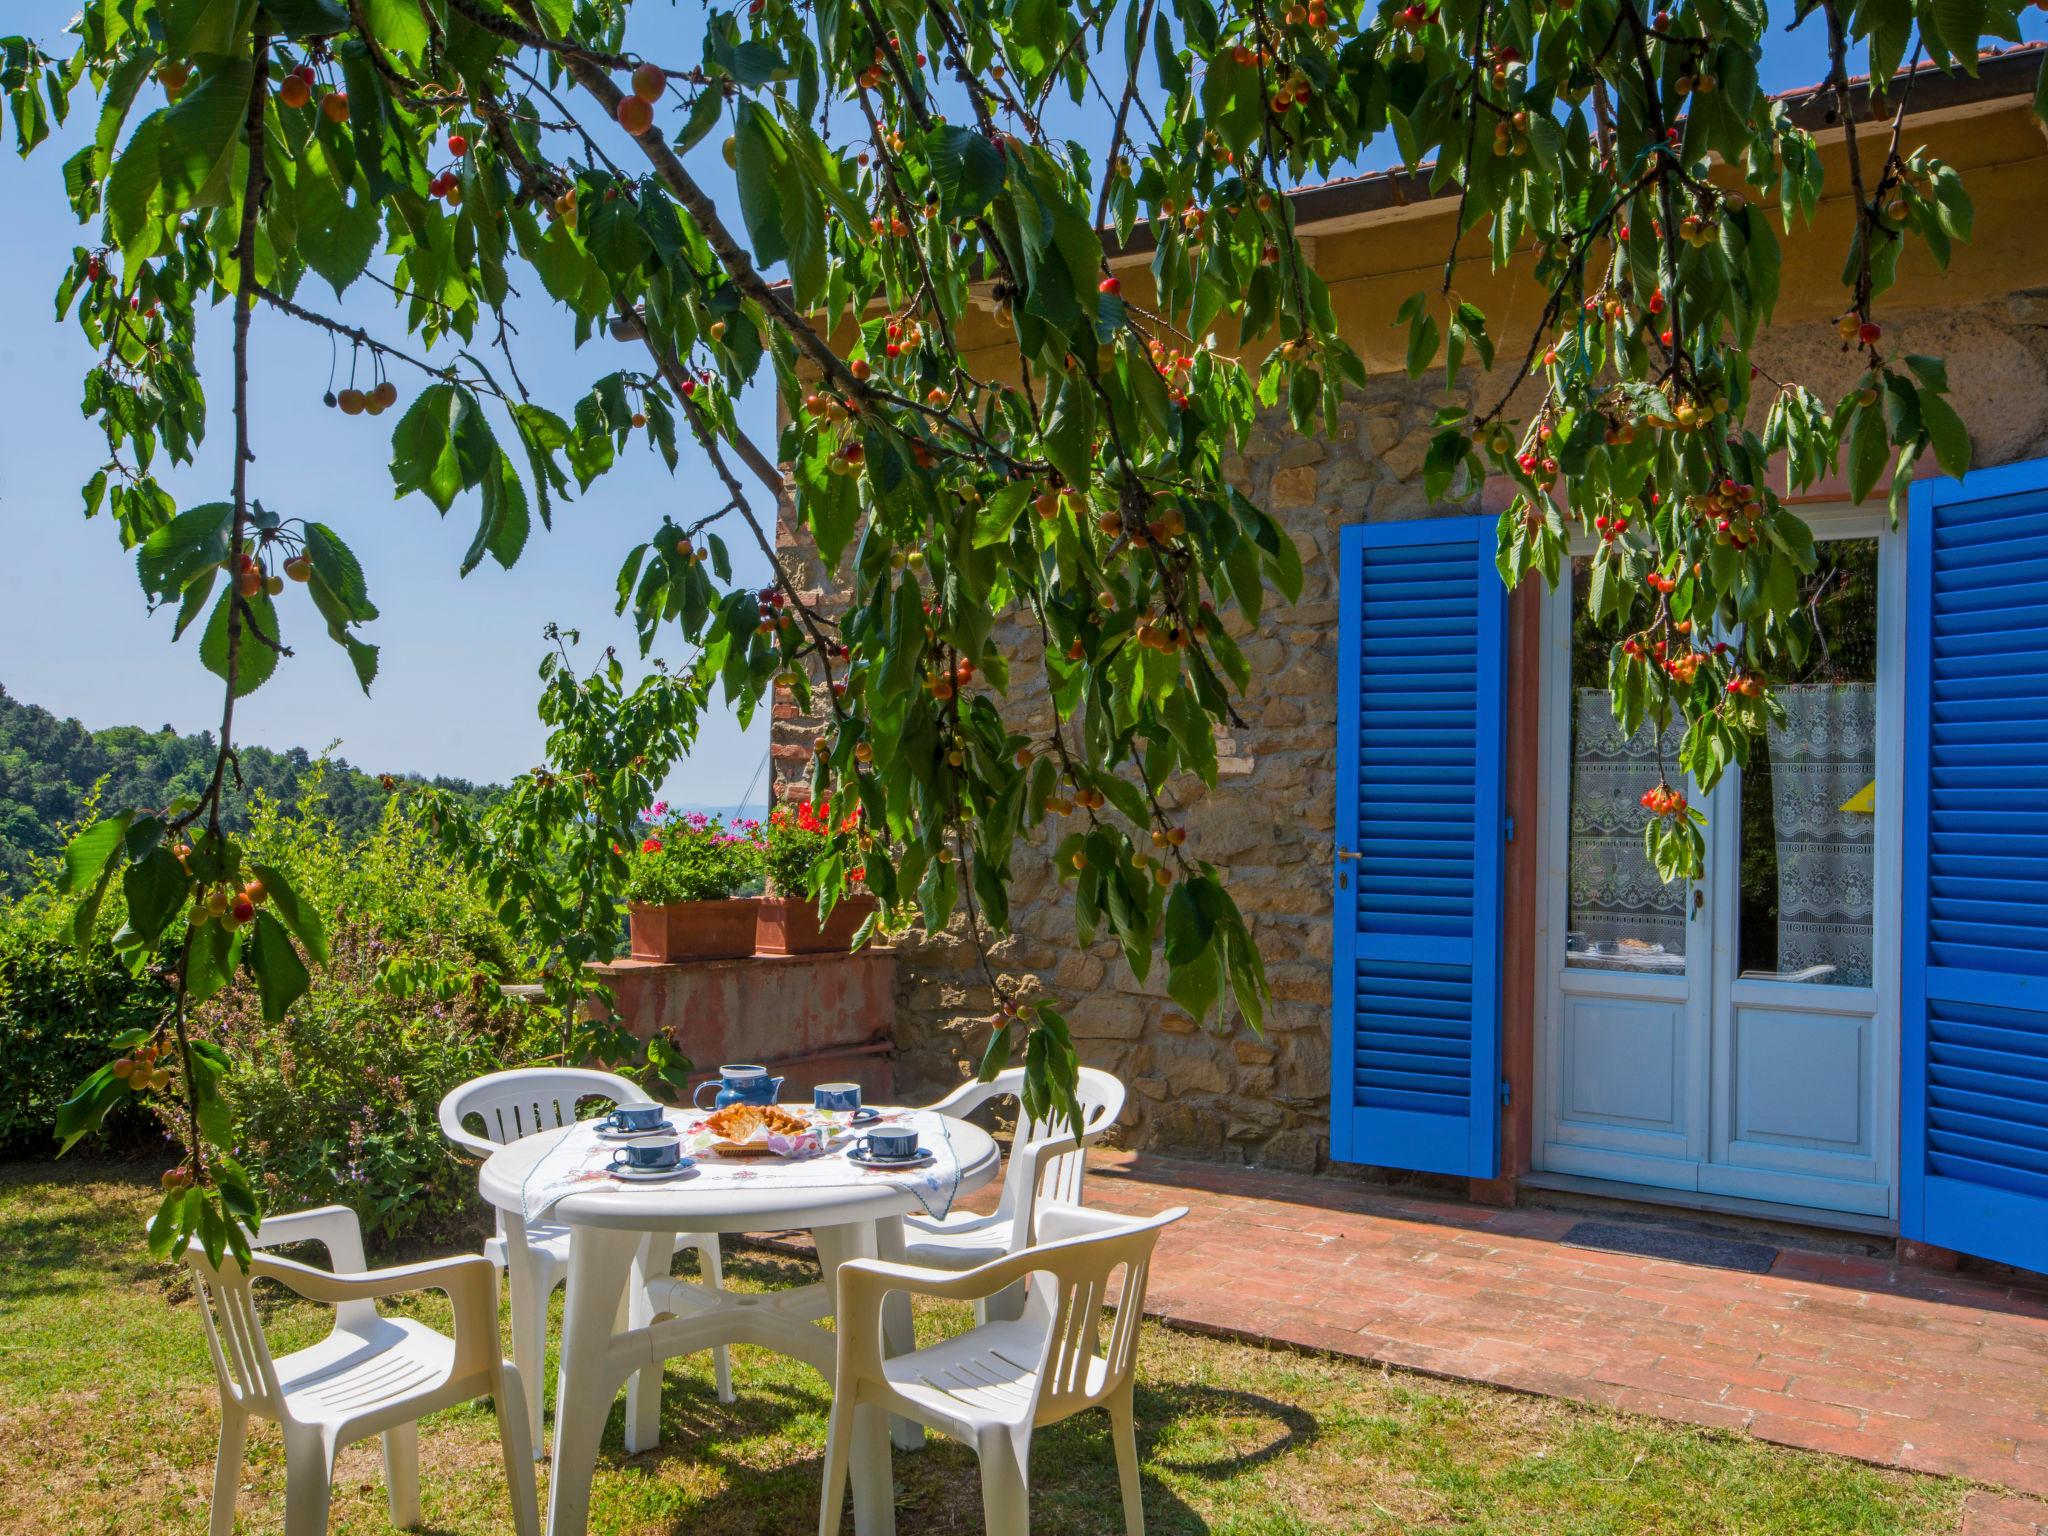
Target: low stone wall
(1224,1091)
(810,1018)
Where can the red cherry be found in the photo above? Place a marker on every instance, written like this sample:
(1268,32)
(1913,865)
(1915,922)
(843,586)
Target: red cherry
(457,144)
(1109,285)
(1868,332)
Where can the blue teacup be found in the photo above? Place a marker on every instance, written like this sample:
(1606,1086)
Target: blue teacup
(892,1144)
(648,1156)
(836,1098)
(634,1117)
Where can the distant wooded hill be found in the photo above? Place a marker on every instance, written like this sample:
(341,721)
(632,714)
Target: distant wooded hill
(49,766)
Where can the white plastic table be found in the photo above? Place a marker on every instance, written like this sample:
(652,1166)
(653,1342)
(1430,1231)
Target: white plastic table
(610,1331)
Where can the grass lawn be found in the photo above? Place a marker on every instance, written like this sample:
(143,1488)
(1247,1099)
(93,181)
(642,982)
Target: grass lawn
(107,1424)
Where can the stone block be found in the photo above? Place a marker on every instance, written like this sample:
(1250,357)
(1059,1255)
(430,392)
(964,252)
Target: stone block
(1191,1073)
(1294,487)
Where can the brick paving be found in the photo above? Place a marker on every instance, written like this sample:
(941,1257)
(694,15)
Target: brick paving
(1829,1352)
(1842,1353)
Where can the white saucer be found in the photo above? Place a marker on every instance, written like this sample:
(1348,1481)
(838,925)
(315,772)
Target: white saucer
(652,1175)
(861,1159)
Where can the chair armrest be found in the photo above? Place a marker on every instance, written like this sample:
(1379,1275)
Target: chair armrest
(1059,1220)
(335,1227)
(469,1280)
(453,1128)
(450,1275)
(864,1284)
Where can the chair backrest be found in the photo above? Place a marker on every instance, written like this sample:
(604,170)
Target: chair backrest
(234,1324)
(1079,1252)
(526,1100)
(1100,1098)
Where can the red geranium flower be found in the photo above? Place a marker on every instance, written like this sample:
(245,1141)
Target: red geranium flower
(652,845)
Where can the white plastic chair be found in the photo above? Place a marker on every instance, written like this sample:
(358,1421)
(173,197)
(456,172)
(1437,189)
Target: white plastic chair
(991,1386)
(373,1375)
(523,1102)
(1046,1163)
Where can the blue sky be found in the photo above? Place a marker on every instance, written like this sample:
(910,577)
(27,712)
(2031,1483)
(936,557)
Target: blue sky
(458,683)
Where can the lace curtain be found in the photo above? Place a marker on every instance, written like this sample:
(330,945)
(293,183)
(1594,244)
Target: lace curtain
(1622,916)
(1822,759)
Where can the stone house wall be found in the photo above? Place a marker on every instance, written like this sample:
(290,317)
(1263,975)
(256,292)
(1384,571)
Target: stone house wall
(1226,1092)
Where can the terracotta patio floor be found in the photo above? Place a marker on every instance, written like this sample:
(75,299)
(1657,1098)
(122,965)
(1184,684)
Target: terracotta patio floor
(1832,1352)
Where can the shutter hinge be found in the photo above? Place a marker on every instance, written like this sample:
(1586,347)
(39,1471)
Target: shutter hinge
(1511,829)
(1507,1093)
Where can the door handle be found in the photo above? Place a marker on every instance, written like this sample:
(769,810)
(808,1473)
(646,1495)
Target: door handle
(1349,853)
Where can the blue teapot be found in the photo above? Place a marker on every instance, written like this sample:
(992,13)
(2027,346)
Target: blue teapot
(739,1085)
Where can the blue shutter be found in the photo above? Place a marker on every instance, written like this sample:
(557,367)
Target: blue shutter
(1973,1145)
(1415,1026)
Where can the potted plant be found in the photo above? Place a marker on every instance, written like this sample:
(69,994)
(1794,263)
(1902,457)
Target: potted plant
(804,848)
(685,882)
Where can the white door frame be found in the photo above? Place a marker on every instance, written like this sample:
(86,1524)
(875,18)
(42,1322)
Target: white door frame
(1705,1159)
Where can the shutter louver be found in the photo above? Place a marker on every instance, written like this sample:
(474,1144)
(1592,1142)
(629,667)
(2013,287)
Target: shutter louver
(1416,1023)
(1974,1111)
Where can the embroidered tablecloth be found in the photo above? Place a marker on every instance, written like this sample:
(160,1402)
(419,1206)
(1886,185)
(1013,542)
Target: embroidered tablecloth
(580,1162)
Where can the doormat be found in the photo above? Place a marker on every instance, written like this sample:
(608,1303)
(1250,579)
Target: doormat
(1677,1246)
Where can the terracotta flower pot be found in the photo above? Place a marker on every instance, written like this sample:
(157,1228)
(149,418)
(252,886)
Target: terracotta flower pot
(789,925)
(694,930)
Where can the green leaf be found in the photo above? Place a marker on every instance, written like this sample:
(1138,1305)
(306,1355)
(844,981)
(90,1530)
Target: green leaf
(194,27)
(155,889)
(1190,922)
(132,183)
(81,1114)
(199,135)
(336,237)
(967,168)
(336,565)
(423,447)
(999,513)
(297,915)
(281,976)
(86,855)
(215,953)
(1946,431)
(400,25)
(306,18)
(758,161)
(194,541)
(255,659)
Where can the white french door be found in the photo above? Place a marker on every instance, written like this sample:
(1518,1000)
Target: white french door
(1735,1035)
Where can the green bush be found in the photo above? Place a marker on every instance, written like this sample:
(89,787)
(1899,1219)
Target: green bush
(337,1103)
(693,858)
(58,1009)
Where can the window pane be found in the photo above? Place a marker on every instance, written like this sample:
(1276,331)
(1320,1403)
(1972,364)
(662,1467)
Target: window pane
(1622,917)
(1809,794)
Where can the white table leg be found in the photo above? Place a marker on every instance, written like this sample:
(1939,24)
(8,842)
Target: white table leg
(529,1322)
(899,1332)
(874,1490)
(600,1264)
(643,1387)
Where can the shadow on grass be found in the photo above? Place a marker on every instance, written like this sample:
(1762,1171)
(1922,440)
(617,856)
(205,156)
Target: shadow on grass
(67,1248)
(755,1466)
